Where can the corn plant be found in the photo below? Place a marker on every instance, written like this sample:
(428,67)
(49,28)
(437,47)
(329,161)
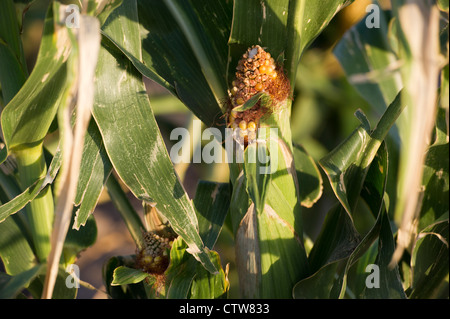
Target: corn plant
(234,65)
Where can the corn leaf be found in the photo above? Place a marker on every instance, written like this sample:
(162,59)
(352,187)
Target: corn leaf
(124,275)
(337,249)
(15,251)
(370,62)
(95,168)
(21,200)
(126,263)
(347,165)
(11,286)
(13,71)
(308,176)
(136,149)
(429,261)
(187,278)
(435,180)
(193,61)
(27,117)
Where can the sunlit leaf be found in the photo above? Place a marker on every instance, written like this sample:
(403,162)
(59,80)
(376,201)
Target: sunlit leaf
(135,146)
(308,175)
(27,117)
(124,275)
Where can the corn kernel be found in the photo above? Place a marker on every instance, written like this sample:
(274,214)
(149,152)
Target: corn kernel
(233,113)
(158,259)
(234,90)
(251,126)
(147,259)
(262,69)
(243,125)
(259,87)
(239,101)
(274,75)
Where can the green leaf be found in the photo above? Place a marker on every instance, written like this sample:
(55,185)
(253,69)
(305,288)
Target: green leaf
(21,200)
(343,166)
(27,117)
(308,176)
(128,213)
(187,278)
(369,59)
(136,149)
(257,22)
(15,251)
(211,203)
(306,20)
(102,9)
(444,98)
(94,171)
(373,193)
(210,61)
(208,286)
(266,213)
(338,248)
(369,62)
(13,70)
(125,275)
(79,240)
(320,284)
(258,179)
(190,68)
(435,180)
(443,5)
(429,262)
(136,291)
(181,271)
(347,165)
(337,239)
(11,286)
(252,101)
(390,285)
(268,239)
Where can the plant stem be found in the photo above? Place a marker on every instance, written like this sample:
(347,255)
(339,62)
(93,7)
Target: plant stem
(294,27)
(379,133)
(40,211)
